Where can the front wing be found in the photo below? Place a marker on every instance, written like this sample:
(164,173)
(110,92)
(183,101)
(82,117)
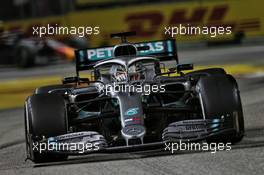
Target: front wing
(87,142)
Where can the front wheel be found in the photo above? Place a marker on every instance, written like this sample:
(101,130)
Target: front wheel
(45,116)
(219,95)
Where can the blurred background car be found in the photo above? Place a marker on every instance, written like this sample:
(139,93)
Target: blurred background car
(26,51)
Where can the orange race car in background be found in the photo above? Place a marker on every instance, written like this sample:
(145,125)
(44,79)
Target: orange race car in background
(18,49)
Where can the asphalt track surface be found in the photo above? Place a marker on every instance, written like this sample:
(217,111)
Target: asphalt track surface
(247,157)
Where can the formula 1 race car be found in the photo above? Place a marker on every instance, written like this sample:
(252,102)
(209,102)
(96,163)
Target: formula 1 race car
(131,100)
(17,49)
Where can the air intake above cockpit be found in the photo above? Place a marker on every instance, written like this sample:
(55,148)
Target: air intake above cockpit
(125,50)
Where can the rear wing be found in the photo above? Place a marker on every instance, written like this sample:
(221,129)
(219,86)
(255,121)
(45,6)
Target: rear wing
(163,49)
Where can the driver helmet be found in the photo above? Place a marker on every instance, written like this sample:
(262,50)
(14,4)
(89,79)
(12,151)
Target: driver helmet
(118,73)
(136,72)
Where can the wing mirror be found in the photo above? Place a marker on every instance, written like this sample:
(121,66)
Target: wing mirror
(75,79)
(182,67)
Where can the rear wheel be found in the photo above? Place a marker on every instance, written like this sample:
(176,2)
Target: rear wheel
(219,95)
(45,116)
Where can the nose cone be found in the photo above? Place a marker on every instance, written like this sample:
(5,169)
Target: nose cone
(133,132)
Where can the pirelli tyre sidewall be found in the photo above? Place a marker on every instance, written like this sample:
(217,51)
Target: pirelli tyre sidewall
(45,115)
(219,94)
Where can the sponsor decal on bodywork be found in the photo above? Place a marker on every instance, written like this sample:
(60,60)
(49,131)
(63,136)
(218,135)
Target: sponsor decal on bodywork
(132,111)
